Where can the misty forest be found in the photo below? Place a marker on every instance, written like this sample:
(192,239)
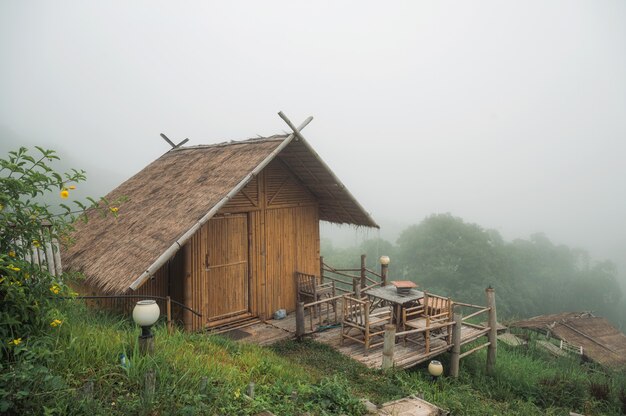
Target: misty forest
(444,254)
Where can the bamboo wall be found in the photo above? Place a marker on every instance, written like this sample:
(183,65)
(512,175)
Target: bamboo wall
(282,219)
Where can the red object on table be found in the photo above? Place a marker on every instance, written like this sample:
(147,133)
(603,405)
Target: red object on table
(403,284)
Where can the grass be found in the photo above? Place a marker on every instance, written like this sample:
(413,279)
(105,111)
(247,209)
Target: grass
(199,374)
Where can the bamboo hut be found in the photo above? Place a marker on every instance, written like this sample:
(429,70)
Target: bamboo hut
(220,228)
(600,341)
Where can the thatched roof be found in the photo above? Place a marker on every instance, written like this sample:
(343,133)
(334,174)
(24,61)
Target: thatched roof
(174,195)
(601,342)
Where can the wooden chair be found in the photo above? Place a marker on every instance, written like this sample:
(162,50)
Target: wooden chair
(370,327)
(309,287)
(433,311)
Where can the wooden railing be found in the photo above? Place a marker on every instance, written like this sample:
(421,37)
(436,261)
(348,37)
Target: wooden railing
(354,281)
(348,281)
(571,348)
(457,323)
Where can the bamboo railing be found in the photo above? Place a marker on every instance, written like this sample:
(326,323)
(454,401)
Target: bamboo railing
(348,282)
(457,323)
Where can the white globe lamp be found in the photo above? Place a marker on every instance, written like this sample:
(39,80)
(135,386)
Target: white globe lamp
(145,314)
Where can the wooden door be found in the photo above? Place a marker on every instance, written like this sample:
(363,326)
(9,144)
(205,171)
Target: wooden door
(226,267)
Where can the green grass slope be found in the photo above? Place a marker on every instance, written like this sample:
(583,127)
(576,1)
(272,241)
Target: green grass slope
(199,374)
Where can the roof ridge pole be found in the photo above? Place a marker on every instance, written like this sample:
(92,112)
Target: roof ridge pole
(167,254)
(296,131)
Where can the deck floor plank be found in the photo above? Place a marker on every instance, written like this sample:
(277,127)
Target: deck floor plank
(406,354)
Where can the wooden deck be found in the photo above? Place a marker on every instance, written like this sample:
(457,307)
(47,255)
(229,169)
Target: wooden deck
(406,354)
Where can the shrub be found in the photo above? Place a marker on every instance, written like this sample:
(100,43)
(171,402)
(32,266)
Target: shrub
(29,315)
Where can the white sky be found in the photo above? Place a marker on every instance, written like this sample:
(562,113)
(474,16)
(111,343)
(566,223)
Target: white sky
(508,114)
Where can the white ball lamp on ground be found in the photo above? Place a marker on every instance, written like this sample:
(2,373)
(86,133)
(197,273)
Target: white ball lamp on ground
(145,314)
(435,369)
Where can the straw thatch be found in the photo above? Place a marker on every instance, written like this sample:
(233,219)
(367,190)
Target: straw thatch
(601,342)
(184,186)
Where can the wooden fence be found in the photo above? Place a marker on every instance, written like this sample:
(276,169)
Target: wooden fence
(44,252)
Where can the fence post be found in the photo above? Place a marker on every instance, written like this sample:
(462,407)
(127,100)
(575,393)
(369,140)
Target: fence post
(493,331)
(146,345)
(321,269)
(456,341)
(299,321)
(363,282)
(388,345)
(384,268)
(149,386)
(170,327)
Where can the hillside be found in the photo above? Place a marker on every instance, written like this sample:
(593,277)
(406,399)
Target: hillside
(210,375)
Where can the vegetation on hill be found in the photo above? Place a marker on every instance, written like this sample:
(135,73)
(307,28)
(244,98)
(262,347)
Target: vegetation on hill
(200,374)
(448,256)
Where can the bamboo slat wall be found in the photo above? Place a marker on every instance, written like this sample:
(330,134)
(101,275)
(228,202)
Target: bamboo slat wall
(274,223)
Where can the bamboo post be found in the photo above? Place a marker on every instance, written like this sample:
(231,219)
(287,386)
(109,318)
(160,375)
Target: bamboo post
(57,257)
(384,268)
(250,390)
(493,331)
(86,391)
(388,346)
(170,327)
(321,269)
(149,386)
(146,345)
(202,388)
(363,281)
(299,321)
(188,317)
(456,341)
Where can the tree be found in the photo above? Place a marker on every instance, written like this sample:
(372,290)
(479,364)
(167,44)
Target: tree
(446,255)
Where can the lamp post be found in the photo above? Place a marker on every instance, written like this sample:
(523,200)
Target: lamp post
(145,314)
(384,266)
(435,369)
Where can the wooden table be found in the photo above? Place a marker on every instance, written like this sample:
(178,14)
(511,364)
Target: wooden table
(389,296)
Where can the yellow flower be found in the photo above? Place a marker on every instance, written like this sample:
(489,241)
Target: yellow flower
(114,209)
(55,289)
(36,243)
(12,267)
(16,341)
(56,323)
(11,253)
(72,187)
(64,193)
(237,393)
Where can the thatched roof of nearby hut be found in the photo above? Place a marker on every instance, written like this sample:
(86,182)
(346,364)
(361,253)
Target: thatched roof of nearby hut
(601,342)
(173,196)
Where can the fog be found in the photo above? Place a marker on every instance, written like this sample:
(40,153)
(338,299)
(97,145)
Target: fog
(509,115)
